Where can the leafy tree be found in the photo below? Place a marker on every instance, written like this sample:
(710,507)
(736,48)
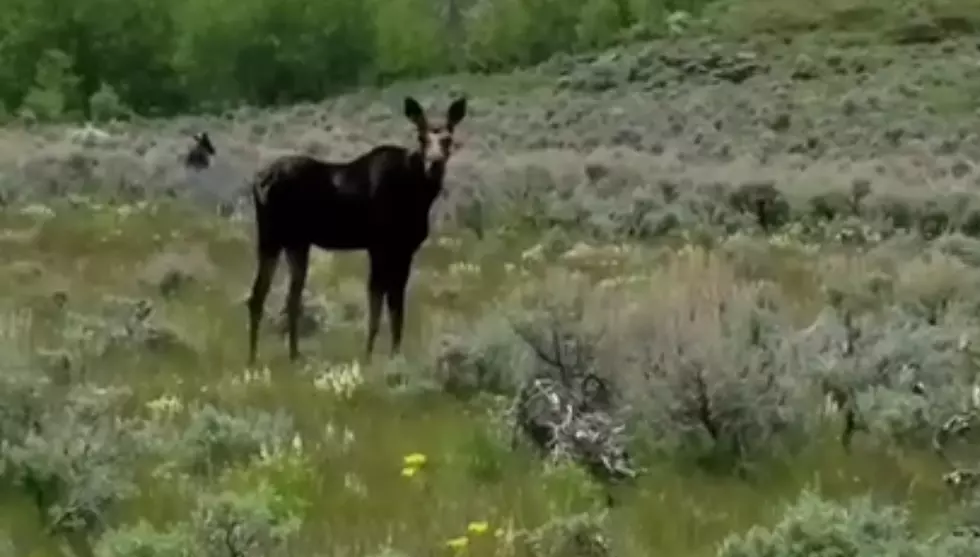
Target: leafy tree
(55,86)
(271,52)
(162,57)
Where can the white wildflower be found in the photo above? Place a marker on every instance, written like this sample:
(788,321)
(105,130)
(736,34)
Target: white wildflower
(534,253)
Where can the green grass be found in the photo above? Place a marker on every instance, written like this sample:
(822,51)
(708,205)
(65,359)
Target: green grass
(347,487)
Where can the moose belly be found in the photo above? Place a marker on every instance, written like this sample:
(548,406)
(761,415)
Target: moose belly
(338,230)
(354,231)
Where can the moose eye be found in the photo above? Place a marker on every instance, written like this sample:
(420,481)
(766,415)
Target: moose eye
(445,142)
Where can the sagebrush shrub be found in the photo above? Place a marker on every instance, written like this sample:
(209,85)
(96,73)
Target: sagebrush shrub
(73,458)
(106,104)
(250,524)
(253,523)
(484,357)
(123,326)
(143,540)
(711,369)
(907,376)
(966,248)
(215,439)
(22,403)
(812,526)
(579,535)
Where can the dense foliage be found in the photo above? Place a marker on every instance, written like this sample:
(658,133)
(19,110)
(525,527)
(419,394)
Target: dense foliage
(105,58)
(97,56)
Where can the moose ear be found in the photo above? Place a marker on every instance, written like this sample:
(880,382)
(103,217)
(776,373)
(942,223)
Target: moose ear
(414,112)
(456,113)
(202,140)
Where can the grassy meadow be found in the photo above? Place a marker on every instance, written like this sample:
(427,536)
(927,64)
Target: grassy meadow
(717,220)
(336,462)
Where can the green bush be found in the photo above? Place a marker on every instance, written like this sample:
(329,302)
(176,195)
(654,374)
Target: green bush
(105,104)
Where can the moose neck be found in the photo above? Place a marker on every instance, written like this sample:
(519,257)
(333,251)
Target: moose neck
(429,176)
(434,173)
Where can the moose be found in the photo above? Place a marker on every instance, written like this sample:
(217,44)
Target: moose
(378,202)
(199,156)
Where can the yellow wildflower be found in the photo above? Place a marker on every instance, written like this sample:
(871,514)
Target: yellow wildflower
(458,543)
(415,460)
(409,471)
(477,528)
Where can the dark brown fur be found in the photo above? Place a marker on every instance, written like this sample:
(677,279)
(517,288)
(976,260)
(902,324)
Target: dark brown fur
(199,156)
(378,202)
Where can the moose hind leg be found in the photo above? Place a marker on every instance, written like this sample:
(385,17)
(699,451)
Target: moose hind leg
(267,262)
(299,264)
